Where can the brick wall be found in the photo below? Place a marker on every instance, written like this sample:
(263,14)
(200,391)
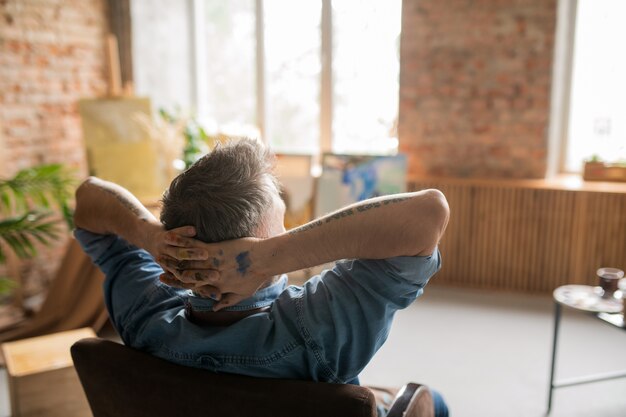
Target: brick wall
(475,86)
(51,54)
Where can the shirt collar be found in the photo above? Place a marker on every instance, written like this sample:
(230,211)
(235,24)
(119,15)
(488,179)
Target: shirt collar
(262,298)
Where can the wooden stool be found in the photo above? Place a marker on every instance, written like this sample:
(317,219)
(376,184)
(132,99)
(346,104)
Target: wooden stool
(42,378)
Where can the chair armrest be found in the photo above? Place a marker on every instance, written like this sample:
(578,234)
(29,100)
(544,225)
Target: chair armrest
(413,400)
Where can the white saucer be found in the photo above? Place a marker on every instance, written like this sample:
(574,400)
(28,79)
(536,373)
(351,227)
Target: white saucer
(588,298)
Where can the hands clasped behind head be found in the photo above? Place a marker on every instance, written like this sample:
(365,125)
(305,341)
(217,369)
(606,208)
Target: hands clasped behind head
(223,270)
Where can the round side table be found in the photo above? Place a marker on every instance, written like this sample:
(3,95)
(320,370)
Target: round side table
(589,300)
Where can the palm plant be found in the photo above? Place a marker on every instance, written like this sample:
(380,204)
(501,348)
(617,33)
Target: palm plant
(26,211)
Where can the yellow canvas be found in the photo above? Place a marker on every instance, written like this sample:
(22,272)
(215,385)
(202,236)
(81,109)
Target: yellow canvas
(119,147)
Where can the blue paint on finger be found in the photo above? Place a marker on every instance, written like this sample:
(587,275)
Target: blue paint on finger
(243,262)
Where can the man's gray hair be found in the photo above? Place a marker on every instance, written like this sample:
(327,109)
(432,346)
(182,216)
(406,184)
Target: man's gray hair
(225,194)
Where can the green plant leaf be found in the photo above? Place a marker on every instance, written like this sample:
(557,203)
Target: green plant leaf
(6,285)
(38,187)
(17,233)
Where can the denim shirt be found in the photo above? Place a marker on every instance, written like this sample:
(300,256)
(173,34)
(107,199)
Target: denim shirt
(326,330)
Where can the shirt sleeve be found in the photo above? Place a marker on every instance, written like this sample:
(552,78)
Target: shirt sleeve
(132,286)
(346,313)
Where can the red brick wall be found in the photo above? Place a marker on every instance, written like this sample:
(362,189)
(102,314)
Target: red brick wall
(51,54)
(475,86)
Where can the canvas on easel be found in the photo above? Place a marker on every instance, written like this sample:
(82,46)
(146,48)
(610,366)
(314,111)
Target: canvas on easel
(119,147)
(347,179)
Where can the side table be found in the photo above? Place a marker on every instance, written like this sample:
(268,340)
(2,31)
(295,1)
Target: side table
(41,376)
(583,298)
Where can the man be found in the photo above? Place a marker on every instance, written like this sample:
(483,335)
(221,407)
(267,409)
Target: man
(240,317)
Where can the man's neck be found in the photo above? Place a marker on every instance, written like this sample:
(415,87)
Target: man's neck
(270,282)
(197,312)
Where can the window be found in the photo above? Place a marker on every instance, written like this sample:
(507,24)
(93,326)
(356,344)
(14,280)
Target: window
(595,122)
(161,51)
(292,74)
(227,39)
(366,68)
(253,64)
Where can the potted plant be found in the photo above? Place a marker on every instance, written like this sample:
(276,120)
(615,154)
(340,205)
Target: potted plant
(596,169)
(27,215)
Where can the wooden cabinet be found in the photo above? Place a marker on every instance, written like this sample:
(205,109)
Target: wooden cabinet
(529,235)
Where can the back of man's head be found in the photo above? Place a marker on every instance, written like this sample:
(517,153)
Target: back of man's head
(225,195)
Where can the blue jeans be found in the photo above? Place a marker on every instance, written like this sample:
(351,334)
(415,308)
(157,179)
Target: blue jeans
(441,408)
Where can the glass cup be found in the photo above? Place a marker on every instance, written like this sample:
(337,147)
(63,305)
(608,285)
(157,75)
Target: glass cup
(609,280)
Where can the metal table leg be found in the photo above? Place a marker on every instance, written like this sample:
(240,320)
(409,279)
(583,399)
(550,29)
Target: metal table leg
(557,322)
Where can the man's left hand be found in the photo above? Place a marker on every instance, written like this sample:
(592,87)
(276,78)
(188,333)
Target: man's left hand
(225,270)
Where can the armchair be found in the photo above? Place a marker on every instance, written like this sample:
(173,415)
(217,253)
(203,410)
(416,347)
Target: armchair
(120,381)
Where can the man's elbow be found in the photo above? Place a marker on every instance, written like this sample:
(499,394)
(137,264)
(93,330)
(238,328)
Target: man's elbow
(436,216)
(440,210)
(82,200)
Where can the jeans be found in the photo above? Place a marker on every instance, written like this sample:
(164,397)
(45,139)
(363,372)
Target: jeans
(441,408)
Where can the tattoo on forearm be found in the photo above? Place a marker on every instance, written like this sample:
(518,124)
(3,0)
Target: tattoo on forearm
(127,204)
(395,200)
(340,215)
(306,227)
(369,206)
(347,212)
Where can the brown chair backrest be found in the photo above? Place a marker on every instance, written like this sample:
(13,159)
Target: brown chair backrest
(120,381)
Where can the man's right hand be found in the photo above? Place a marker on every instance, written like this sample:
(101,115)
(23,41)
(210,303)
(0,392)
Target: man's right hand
(155,239)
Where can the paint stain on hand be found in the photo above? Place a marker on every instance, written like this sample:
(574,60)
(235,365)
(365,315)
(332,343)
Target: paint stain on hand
(243,262)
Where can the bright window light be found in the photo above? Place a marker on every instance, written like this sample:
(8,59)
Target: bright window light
(293,65)
(366,66)
(597,121)
(201,56)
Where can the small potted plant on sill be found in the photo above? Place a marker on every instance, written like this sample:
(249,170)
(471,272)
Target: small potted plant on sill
(596,169)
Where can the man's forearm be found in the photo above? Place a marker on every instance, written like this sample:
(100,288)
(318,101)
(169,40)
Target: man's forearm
(107,208)
(400,225)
